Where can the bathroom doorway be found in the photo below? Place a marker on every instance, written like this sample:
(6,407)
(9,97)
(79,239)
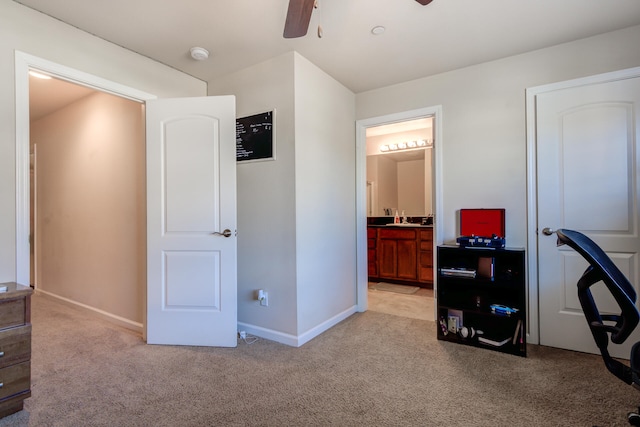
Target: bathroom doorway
(399,183)
(403,136)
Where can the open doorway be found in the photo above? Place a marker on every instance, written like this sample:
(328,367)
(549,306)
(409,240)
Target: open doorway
(399,184)
(88,197)
(367,204)
(128,104)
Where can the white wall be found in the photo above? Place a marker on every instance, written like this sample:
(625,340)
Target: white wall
(325,199)
(29,31)
(428,181)
(484,134)
(296,215)
(91,210)
(266,200)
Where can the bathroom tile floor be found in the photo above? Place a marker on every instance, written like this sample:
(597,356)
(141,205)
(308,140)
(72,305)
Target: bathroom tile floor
(419,305)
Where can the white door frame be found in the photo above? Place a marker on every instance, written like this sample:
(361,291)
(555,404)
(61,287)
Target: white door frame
(361,189)
(23,63)
(532,191)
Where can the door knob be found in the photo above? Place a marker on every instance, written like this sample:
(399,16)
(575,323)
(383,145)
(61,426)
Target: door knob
(225,233)
(548,231)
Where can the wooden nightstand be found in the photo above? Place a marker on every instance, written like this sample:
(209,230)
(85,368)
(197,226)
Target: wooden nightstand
(15,347)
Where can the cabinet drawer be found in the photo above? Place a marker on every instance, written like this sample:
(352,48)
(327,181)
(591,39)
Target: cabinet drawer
(14,379)
(397,234)
(426,259)
(426,274)
(13,312)
(426,235)
(371,233)
(15,345)
(426,246)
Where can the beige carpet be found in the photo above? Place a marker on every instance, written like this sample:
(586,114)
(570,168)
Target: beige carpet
(372,369)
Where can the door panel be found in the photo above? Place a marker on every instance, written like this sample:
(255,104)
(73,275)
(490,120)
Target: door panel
(587,172)
(192,280)
(596,145)
(191,199)
(188,154)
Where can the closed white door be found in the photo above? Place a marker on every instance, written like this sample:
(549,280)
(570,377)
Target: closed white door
(191,201)
(587,179)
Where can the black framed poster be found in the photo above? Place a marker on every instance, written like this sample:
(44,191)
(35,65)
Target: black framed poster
(255,137)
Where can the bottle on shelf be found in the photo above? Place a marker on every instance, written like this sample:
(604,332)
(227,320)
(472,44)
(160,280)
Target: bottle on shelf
(396,219)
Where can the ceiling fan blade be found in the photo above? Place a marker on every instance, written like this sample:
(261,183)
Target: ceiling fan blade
(424,2)
(298,17)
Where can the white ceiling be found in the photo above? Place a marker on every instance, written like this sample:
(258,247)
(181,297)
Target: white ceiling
(419,40)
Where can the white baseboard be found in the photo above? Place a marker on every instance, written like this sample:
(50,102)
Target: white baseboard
(120,321)
(293,340)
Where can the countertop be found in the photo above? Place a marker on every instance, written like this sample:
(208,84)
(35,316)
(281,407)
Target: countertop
(400,225)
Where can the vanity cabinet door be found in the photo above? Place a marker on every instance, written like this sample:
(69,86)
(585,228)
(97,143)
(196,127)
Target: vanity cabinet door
(387,256)
(407,265)
(397,254)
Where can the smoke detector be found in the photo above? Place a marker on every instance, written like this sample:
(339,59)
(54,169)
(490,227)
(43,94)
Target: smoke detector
(199,53)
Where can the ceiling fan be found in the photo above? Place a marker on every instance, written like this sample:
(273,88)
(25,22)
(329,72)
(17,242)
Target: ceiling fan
(299,15)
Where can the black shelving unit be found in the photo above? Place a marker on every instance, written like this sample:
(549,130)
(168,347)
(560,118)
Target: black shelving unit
(475,288)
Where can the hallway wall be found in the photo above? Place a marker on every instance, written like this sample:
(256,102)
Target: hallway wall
(91,211)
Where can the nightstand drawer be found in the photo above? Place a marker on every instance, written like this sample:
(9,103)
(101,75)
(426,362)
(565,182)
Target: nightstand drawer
(13,312)
(15,379)
(15,345)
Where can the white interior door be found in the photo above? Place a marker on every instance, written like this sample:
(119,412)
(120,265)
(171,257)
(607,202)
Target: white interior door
(191,200)
(587,179)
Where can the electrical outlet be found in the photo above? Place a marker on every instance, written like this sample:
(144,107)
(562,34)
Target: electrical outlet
(243,335)
(264,299)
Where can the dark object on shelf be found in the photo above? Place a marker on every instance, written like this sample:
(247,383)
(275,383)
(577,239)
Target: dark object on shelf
(458,272)
(482,227)
(486,242)
(492,302)
(601,268)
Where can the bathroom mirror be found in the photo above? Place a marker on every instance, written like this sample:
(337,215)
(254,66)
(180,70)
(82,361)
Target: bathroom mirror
(399,170)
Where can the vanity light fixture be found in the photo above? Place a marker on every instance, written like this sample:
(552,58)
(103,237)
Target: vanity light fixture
(408,145)
(425,143)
